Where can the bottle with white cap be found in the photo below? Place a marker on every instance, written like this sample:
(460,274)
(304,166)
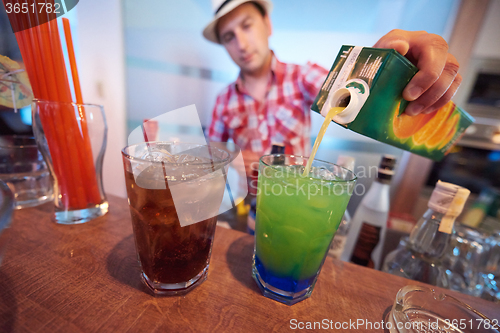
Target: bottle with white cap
(338,244)
(369,224)
(419,259)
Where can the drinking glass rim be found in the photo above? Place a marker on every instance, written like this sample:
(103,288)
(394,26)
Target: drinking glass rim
(226,160)
(274,167)
(46,101)
(34,145)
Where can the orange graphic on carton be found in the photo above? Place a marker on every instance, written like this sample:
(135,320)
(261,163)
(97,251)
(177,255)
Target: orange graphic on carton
(444,132)
(451,132)
(405,126)
(433,129)
(434,125)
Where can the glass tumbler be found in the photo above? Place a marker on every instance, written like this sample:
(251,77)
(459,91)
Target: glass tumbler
(174,193)
(23,169)
(72,138)
(297,217)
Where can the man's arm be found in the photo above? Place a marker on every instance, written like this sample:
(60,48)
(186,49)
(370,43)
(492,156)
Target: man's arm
(312,78)
(437,79)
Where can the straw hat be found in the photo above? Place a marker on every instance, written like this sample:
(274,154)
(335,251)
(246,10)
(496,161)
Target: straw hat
(222,7)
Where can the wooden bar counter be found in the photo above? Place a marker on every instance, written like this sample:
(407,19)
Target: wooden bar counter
(86,278)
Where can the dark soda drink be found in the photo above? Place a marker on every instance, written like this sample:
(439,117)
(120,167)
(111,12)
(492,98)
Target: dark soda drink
(169,253)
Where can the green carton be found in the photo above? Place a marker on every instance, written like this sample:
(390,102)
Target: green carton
(369,82)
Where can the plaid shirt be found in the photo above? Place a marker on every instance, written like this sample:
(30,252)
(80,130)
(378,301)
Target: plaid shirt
(282,118)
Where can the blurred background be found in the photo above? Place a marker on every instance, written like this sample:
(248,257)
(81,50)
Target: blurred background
(141,59)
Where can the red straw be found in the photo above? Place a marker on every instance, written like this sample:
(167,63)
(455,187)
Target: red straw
(93,194)
(72,61)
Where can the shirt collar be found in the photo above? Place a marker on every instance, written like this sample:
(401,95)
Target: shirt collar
(276,73)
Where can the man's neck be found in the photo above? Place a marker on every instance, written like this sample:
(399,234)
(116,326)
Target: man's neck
(256,82)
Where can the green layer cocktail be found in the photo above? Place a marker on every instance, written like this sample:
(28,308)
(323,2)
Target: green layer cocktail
(296,220)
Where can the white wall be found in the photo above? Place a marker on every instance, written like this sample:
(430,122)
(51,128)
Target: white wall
(102,74)
(485,54)
(488,43)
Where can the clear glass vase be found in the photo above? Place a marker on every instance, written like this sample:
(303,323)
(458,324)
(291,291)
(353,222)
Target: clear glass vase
(72,139)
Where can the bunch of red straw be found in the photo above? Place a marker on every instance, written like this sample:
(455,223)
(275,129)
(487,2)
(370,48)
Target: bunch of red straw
(69,147)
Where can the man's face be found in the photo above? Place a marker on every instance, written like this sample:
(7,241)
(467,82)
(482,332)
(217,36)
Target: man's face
(244,32)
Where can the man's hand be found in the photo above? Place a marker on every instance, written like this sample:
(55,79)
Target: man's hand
(437,79)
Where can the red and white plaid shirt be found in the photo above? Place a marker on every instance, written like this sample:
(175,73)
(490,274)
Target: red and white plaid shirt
(282,118)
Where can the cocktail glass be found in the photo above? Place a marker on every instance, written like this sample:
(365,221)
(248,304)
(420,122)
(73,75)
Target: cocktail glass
(296,220)
(174,191)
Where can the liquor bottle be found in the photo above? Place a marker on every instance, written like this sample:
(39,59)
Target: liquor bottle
(420,258)
(369,224)
(276,149)
(339,241)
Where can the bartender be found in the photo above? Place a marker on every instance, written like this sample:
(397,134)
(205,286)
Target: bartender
(270,101)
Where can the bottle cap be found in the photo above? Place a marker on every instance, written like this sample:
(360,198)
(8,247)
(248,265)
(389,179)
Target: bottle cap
(278,148)
(386,168)
(387,162)
(448,198)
